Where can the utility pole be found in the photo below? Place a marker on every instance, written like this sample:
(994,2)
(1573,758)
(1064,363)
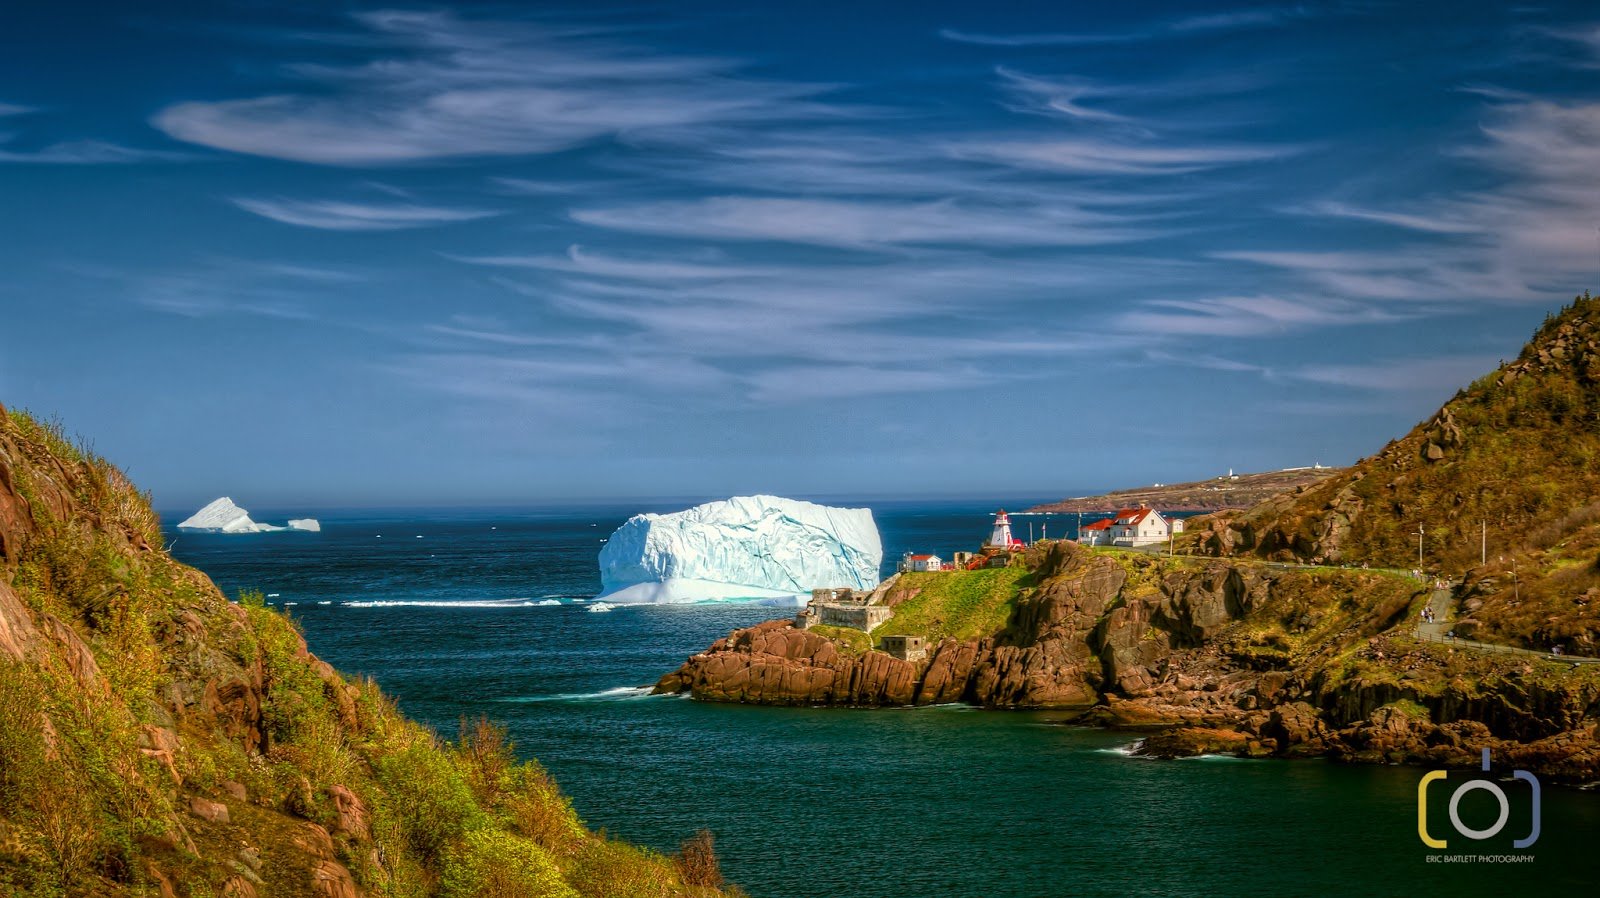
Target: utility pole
(1419,550)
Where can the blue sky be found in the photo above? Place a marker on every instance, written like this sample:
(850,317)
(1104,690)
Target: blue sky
(301,254)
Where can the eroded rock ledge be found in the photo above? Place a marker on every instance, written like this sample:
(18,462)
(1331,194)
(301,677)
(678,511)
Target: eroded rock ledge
(1201,656)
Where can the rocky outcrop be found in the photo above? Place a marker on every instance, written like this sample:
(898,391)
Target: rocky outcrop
(1201,657)
(1074,636)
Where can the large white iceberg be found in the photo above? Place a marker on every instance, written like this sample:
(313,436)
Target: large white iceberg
(747,547)
(222,516)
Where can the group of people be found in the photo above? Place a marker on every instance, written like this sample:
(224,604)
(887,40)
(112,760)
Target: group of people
(1427,614)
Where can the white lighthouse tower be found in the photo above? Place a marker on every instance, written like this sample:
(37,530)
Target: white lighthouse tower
(1001,538)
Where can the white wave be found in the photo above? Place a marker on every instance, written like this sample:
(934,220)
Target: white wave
(325,602)
(615,694)
(601,606)
(548,602)
(1127,751)
(420,603)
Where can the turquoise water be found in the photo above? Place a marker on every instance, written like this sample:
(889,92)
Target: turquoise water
(814,802)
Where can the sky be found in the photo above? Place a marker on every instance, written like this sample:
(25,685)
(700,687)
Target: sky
(327,254)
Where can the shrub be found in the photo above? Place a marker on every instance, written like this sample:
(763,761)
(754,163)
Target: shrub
(428,797)
(697,861)
(538,809)
(609,869)
(487,755)
(491,863)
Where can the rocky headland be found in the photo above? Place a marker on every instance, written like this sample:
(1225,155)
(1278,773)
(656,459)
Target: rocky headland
(1298,634)
(1236,491)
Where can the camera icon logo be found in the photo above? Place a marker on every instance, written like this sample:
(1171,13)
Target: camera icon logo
(1467,788)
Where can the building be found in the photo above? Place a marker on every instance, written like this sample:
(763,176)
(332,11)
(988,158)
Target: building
(1131,528)
(842,607)
(1001,538)
(1096,534)
(906,648)
(910,562)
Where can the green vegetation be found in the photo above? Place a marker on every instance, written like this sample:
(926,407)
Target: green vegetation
(961,604)
(1510,461)
(850,641)
(99,763)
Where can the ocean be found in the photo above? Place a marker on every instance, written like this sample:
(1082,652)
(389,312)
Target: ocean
(465,612)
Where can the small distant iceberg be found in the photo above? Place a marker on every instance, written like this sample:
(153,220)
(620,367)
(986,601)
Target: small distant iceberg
(601,606)
(223,516)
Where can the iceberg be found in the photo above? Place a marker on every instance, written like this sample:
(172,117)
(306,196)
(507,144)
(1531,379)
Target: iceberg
(747,547)
(222,516)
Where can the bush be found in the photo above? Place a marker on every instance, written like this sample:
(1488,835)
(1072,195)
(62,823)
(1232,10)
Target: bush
(491,863)
(697,861)
(428,797)
(608,869)
(538,809)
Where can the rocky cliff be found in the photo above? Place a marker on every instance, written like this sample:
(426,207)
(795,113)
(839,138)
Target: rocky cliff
(157,739)
(1203,655)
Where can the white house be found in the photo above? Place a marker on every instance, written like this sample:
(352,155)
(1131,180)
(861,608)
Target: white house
(910,562)
(1131,527)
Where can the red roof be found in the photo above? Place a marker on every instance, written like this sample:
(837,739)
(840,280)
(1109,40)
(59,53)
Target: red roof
(1099,525)
(1133,515)
(923,557)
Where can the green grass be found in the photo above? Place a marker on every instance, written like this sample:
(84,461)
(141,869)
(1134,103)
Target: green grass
(81,804)
(850,641)
(962,604)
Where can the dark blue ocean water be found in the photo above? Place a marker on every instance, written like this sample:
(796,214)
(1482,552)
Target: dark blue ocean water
(441,608)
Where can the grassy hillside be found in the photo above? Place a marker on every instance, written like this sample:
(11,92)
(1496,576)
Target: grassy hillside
(962,604)
(1516,454)
(1519,449)
(158,739)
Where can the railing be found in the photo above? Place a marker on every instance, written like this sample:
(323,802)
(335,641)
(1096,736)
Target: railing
(1474,645)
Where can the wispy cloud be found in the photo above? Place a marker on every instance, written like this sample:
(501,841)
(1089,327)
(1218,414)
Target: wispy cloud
(1247,316)
(85,152)
(1427,223)
(227,286)
(333,215)
(1427,375)
(9,109)
(866,224)
(1174,28)
(450,87)
(1116,157)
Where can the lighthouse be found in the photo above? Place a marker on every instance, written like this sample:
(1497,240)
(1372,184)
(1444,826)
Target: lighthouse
(1001,538)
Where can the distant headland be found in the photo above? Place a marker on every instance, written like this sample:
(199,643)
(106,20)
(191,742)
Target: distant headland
(1223,492)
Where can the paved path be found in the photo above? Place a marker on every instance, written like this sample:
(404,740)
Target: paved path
(1440,601)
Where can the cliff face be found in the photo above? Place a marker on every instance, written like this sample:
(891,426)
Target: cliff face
(1206,656)
(157,739)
